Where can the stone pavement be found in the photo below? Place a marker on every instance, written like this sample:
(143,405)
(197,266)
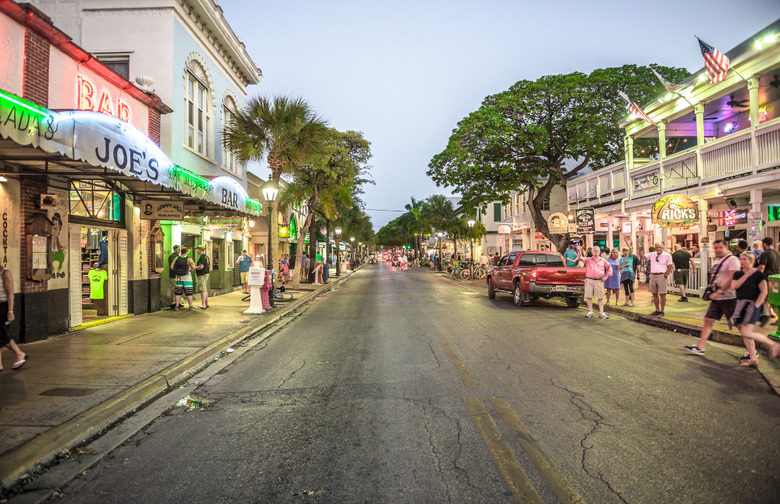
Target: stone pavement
(77,384)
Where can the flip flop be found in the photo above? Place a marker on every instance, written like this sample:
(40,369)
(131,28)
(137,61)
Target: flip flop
(19,364)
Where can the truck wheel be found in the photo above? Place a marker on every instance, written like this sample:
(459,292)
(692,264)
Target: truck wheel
(491,290)
(572,301)
(521,298)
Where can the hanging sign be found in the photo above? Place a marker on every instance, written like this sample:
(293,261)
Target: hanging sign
(586,220)
(675,210)
(504,229)
(162,210)
(558,223)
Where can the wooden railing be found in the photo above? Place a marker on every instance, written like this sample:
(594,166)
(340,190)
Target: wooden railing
(728,157)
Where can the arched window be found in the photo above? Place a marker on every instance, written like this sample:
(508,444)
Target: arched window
(197,109)
(229,108)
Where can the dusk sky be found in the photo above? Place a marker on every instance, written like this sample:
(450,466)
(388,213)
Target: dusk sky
(405,72)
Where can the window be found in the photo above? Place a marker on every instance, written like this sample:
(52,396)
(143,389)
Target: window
(546,203)
(496,212)
(527,260)
(95,199)
(554,260)
(229,162)
(197,110)
(120,63)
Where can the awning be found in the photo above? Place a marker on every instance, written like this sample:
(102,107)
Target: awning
(72,138)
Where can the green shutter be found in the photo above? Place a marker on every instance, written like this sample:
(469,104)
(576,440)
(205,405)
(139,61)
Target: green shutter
(496,212)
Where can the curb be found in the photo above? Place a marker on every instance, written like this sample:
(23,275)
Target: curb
(44,448)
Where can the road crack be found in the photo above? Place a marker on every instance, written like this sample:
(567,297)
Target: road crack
(289,377)
(588,414)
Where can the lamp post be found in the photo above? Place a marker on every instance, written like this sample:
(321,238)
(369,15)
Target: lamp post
(352,250)
(338,252)
(440,238)
(270,190)
(471,233)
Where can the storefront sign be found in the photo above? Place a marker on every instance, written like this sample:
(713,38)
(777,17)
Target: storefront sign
(646,182)
(284,232)
(675,210)
(90,98)
(627,227)
(558,223)
(586,220)
(162,210)
(732,217)
(754,227)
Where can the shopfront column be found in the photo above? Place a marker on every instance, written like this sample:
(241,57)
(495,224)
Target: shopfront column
(632,217)
(662,139)
(704,248)
(753,95)
(610,232)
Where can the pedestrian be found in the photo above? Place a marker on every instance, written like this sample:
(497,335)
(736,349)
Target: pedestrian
(597,270)
(696,251)
(244,262)
(284,268)
(7,317)
(570,256)
(635,261)
(742,246)
(683,264)
(306,266)
(612,283)
(768,264)
(172,278)
(292,267)
(626,267)
(751,287)
(660,267)
(202,269)
(757,249)
(182,268)
(723,299)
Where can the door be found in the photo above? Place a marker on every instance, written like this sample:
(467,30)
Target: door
(77,272)
(117,271)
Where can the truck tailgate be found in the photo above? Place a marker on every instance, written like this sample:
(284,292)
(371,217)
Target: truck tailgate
(560,276)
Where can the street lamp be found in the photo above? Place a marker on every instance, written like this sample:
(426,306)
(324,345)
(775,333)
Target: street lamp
(352,250)
(338,252)
(471,232)
(270,190)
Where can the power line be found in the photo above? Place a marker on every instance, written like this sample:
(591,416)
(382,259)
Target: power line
(383,210)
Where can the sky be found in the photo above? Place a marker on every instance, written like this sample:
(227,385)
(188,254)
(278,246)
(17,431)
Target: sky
(405,72)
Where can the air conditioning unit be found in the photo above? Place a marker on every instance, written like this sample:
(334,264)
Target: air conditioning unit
(737,202)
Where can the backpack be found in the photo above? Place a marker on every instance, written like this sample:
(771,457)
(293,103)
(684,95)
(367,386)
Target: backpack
(181,267)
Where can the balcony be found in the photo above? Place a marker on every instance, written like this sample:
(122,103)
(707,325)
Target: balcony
(725,158)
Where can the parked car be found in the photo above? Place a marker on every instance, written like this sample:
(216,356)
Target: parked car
(531,274)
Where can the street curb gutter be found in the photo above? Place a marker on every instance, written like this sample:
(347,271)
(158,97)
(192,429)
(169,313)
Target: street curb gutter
(44,448)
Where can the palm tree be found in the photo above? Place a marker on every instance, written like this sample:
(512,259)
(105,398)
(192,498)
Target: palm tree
(281,130)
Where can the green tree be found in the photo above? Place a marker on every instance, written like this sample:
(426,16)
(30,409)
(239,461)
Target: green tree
(282,131)
(541,133)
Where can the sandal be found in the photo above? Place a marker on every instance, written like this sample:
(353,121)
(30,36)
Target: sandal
(19,364)
(750,363)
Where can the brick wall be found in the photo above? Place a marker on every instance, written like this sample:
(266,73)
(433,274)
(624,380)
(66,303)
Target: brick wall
(36,68)
(154,126)
(30,190)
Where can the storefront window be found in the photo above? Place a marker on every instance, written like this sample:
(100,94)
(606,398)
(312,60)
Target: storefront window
(96,199)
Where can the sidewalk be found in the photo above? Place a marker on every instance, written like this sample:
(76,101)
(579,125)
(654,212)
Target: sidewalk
(77,384)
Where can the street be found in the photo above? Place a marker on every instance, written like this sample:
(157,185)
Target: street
(409,387)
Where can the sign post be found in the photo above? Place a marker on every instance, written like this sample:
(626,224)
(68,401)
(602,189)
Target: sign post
(256,280)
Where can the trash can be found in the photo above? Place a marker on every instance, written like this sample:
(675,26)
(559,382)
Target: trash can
(773,297)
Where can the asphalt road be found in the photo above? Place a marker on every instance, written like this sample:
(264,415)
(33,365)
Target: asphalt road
(411,388)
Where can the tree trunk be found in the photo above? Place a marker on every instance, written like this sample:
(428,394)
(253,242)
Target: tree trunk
(327,243)
(296,280)
(312,244)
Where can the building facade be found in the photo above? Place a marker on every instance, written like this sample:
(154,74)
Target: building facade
(716,162)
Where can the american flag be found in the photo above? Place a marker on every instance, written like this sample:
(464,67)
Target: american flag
(716,63)
(635,109)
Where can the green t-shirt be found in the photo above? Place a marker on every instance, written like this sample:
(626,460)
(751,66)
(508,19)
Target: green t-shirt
(96,280)
(172,258)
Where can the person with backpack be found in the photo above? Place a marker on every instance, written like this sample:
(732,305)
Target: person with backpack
(202,269)
(182,267)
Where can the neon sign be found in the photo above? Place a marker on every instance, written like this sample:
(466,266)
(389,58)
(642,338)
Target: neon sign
(88,99)
(732,217)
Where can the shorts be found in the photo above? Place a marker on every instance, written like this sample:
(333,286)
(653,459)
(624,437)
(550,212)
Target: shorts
(754,313)
(719,307)
(244,277)
(203,283)
(594,288)
(657,284)
(5,337)
(681,276)
(183,286)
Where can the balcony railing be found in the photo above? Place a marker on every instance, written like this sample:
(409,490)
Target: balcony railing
(727,157)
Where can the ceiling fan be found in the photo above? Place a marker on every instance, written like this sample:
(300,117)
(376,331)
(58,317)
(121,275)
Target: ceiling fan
(737,103)
(775,83)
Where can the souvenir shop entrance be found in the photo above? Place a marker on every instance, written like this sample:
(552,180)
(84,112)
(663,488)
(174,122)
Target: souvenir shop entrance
(98,267)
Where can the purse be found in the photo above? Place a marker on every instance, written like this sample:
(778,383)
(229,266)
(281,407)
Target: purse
(711,287)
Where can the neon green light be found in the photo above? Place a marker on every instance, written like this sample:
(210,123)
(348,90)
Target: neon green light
(195,179)
(25,104)
(254,204)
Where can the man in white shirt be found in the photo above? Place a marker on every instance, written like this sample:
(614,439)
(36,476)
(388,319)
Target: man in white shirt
(660,267)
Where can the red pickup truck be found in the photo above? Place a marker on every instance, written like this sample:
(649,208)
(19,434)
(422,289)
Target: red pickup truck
(532,274)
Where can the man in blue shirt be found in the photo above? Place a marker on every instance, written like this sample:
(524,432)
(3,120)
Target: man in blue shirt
(570,256)
(244,262)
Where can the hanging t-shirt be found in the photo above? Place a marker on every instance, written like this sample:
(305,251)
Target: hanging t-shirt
(93,239)
(96,280)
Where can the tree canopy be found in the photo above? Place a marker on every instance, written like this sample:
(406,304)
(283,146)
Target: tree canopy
(538,134)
